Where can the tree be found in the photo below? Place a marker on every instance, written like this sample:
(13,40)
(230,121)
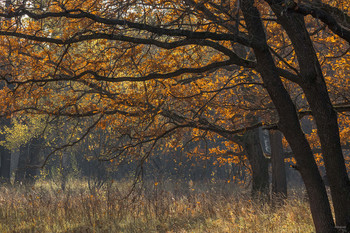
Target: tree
(144,60)
(279,184)
(5,155)
(315,89)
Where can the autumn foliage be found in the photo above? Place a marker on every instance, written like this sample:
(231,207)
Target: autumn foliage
(158,74)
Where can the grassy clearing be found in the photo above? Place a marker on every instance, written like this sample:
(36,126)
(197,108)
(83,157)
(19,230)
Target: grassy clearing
(164,207)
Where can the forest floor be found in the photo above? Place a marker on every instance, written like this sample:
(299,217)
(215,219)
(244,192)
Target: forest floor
(151,207)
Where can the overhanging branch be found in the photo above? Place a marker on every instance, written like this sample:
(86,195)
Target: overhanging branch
(327,14)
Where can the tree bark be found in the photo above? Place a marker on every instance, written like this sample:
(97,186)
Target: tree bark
(250,142)
(279,180)
(258,163)
(315,89)
(289,122)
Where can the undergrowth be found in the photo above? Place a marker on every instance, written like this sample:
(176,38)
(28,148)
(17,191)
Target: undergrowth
(152,207)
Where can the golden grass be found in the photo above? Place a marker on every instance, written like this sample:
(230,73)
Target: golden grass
(156,208)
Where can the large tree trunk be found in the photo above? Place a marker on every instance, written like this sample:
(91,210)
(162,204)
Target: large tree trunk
(258,163)
(328,132)
(250,141)
(279,180)
(315,89)
(289,122)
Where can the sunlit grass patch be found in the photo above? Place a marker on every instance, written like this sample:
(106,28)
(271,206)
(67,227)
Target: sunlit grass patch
(156,208)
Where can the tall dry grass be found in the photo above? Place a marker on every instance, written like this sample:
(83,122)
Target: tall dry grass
(152,207)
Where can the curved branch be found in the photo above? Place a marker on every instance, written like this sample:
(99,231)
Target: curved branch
(209,67)
(157,30)
(327,14)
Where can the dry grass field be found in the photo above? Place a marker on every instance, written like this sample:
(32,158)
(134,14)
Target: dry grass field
(152,207)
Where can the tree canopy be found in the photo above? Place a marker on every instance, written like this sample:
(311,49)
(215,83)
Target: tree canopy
(145,70)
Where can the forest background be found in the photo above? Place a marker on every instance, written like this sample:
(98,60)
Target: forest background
(197,90)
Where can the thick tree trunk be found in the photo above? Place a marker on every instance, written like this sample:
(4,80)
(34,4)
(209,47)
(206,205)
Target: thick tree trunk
(289,122)
(250,141)
(279,180)
(258,163)
(315,89)
(328,132)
